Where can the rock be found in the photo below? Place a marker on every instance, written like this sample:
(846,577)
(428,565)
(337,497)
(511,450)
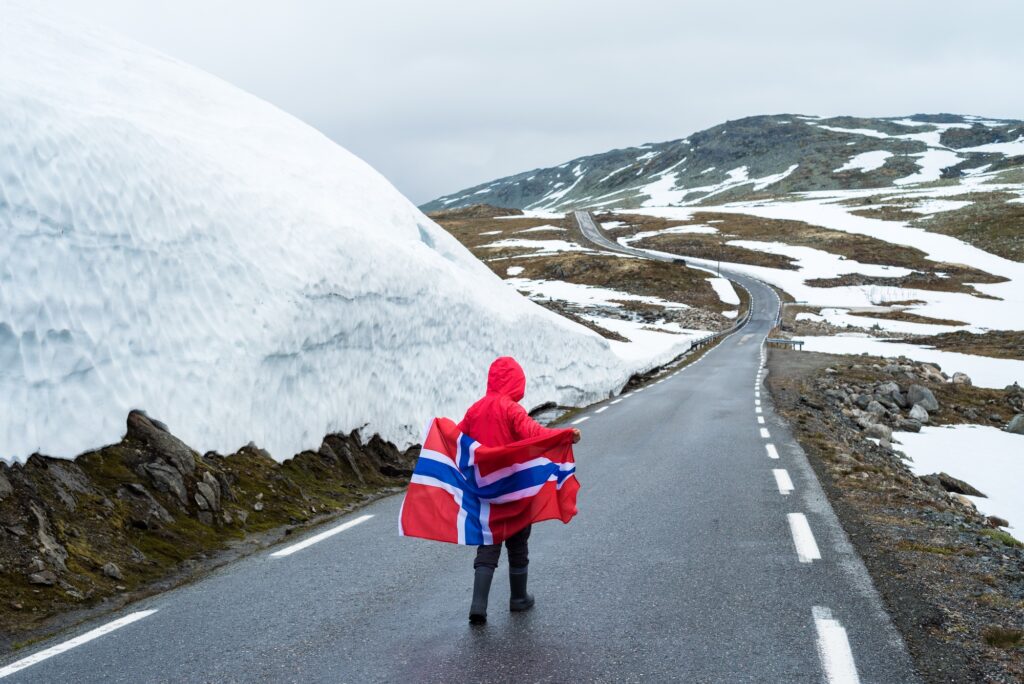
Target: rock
(919,394)
(242,516)
(862,400)
(919,414)
(879,431)
(201,502)
(5,485)
(258,506)
(957,486)
(996,521)
(909,425)
(210,489)
(112,571)
(48,545)
(1016,424)
(46,578)
(876,408)
(154,435)
(888,388)
(167,479)
(961,379)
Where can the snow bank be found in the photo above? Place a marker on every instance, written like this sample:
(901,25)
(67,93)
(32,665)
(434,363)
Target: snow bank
(984,457)
(725,290)
(171,243)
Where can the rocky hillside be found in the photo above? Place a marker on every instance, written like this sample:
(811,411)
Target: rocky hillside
(763,155)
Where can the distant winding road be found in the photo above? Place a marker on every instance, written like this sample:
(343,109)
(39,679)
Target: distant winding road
(704,551)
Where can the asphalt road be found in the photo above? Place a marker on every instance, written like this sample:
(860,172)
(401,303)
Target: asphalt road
(686,563)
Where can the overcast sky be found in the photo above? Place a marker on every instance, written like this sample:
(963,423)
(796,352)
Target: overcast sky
(442,95)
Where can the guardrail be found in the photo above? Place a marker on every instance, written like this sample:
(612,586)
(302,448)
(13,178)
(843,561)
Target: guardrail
(785,342)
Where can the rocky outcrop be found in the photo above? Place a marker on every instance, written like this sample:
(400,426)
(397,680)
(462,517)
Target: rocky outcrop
(73,533)
(923,397)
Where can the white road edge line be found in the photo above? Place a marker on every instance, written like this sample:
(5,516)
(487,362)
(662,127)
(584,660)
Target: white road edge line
(783,481)
(72,643)
(765,434)
(803,538)
(601,410)
(834,648)
(579,420)
(320,537)
(772,453)
(617,401)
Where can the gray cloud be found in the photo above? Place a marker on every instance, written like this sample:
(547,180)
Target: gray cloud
(442,95)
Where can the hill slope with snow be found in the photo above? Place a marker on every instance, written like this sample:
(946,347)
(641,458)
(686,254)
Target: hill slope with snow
(173,244)
(759,156)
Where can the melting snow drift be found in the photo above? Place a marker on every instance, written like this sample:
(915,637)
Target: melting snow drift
(171,243)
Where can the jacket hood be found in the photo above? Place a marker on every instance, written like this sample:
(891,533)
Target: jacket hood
(506,377)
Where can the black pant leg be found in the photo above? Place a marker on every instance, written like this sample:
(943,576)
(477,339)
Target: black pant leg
(487,556)
(518,548)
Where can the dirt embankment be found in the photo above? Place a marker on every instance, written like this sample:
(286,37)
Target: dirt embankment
(953,581)
(149,512)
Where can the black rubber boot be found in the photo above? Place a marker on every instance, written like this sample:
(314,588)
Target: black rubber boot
(481,588)
(520,599)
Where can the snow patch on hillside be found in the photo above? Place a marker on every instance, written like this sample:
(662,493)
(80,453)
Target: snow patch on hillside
(865,161)
(985,457)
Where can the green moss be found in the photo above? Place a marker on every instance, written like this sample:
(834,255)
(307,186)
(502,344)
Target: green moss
(1004,537)
(1003,637)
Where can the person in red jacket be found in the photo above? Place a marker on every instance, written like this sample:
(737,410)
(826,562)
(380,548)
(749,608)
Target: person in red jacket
(497,419)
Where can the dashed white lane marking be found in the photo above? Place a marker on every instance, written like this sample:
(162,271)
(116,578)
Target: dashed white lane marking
(760,420)
(783,481)
(757,394)
(803,538)
(601,410)
(31,660)
(772,452)
(579,420)
(834,648)
(757,402)
(320,537)
(617,401)
(765,434)
(757,409)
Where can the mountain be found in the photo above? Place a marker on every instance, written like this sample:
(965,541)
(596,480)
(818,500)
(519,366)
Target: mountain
(171,243)
(762,156)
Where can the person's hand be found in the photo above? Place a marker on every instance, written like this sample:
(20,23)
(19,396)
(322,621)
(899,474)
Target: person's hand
(576,434)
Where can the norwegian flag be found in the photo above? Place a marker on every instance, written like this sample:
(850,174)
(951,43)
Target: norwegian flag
(465,493)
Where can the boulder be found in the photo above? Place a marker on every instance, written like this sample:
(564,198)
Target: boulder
(909,425)
(876,409)
(46,578)
(961,379)
(1016,425)
(996,521)
(888,388)
(167,479)
(207,495)
(919,414)
(879,431)
(5,485)
(919,394)
(862,400)
(957,486)
(154,434)
(112,571)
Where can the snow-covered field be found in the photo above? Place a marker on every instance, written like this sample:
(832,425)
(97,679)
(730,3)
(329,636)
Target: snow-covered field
(171,243)
(985,457)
